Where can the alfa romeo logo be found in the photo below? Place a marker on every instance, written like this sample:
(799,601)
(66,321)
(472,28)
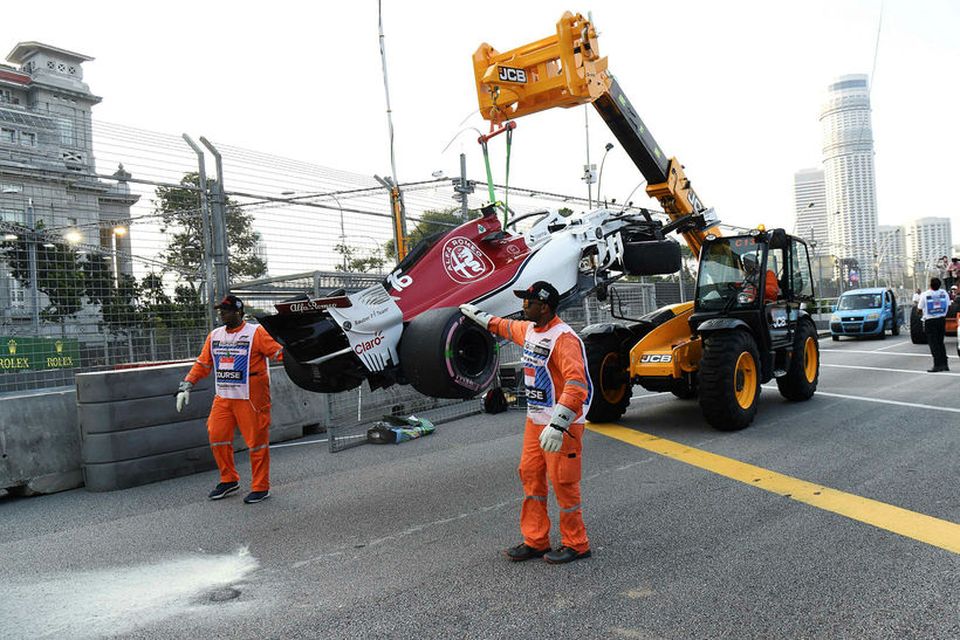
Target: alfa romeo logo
(464,261)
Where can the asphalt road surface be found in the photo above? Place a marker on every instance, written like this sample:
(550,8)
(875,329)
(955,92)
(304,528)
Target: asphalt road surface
(833,518)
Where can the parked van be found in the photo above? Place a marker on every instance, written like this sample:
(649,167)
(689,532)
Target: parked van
(865,313)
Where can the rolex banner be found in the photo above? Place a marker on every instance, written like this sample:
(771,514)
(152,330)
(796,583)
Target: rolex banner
(19,353)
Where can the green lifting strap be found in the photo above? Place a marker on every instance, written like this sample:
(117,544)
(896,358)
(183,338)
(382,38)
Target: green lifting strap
(486,162)
(506,186)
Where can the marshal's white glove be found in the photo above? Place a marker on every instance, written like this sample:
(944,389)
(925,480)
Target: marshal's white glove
(473,312)
(551,437)
(183,398)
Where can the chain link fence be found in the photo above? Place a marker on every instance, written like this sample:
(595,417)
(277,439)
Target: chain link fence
(114,264)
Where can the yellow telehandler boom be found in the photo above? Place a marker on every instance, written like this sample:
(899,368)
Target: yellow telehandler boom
(566,70)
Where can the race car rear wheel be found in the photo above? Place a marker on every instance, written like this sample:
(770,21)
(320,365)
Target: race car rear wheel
(608,368)
(917,334)
(445,355)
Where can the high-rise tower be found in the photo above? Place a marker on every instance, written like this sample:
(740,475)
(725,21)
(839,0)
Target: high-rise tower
(849,173)
(810,206)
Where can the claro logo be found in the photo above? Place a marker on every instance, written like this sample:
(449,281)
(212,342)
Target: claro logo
(367,345)
(656,357)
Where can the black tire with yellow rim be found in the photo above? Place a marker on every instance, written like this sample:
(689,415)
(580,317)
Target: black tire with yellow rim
(800,382)
(608,366)
(729,379)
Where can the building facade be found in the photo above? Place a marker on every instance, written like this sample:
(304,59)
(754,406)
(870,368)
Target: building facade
(849,176)
(50,193)
(810,206)
(891,256)
(929,246)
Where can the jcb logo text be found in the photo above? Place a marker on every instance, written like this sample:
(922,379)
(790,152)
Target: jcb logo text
(656,357)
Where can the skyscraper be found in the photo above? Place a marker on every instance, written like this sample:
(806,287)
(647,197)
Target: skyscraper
(891,255)
(849,173)
(810,206)
(928,240)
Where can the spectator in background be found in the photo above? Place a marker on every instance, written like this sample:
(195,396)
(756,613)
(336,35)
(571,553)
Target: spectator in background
(933,304)
(953,272)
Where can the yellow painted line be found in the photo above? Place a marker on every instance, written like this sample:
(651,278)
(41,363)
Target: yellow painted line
(927,529)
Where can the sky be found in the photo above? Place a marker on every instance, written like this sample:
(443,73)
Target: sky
(733,89)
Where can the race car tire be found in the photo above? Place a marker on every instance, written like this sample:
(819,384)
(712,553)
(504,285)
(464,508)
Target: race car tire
(729,380)
(443,354)
(800,383)
(651,257)
(917,334)
(333,376)
(608,367)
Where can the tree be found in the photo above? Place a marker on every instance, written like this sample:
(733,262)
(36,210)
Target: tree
(179,211)
(119,301)
(431,222)
(59,274)
(354,262)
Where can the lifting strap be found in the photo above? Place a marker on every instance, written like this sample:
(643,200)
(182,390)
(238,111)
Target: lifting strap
(483,139)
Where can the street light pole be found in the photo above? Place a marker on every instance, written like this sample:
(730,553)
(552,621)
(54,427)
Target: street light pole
(606,150)
(32,259)
(343,235)
(117,231)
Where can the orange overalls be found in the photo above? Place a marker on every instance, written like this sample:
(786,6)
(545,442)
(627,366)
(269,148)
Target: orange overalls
(563,380)
(771,288)
(238,356)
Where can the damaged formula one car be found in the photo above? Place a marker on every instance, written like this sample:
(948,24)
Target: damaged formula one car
(408,329)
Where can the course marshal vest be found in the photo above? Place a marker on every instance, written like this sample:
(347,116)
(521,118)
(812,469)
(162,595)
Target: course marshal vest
(540,386)
(231,361)
(937,303)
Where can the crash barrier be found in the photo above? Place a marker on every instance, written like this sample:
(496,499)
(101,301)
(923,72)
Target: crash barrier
(131,433)
(39,442)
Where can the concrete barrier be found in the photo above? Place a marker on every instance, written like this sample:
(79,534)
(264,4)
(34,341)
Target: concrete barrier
(39,442)
(120,428)
(131,433)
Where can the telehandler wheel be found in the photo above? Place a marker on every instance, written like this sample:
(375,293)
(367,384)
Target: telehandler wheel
(917,334)
(800,383)
(729,380)
(608,366)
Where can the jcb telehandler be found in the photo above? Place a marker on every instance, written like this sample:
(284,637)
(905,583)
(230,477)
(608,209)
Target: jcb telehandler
(745,326)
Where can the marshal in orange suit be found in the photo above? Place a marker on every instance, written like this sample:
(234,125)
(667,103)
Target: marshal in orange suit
(237,354)
(558,390)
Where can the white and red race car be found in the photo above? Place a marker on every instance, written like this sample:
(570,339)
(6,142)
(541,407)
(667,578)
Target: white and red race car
(408,329)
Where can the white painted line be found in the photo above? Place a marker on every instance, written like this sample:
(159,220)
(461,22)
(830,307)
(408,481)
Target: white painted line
(886,353)
(851,366)
(652,394)
(912,405)
(891,346)
(296,444)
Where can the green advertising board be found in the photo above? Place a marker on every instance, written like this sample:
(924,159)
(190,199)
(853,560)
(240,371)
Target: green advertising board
(19,353)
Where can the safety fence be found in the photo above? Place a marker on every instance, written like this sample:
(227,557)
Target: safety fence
(117,263)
